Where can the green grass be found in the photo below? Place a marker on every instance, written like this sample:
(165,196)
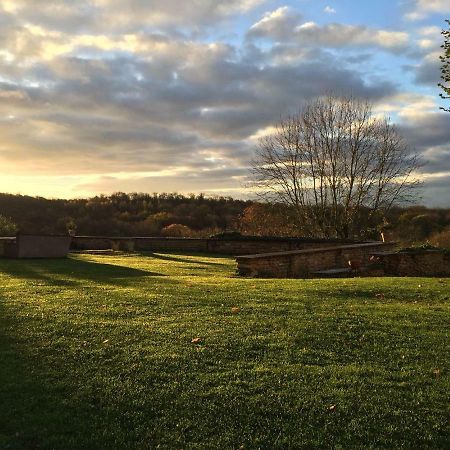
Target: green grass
(96,353)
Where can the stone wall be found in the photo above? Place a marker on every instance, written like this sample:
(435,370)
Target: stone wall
(35,246)
(303,263)
(4,241)
(428,263)
(230,246)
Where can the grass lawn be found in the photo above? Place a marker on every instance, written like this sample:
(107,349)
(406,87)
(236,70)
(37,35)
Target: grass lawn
(96,353)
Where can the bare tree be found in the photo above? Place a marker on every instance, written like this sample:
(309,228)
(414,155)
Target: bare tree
(336,164)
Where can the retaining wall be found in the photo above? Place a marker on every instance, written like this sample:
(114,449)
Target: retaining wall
(429,263)
(303,263)
(230,246)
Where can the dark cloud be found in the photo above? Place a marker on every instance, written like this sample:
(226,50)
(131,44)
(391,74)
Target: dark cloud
(428,72)
(441,182)
(427,129)
(436,192)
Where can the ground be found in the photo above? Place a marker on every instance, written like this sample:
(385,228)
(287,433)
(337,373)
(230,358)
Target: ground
(96,352)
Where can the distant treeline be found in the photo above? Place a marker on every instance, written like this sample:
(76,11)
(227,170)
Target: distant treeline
(120,214)
(140,214)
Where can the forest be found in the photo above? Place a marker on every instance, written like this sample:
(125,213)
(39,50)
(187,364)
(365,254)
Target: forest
(172,214)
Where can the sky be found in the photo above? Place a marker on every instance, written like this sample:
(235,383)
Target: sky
(101,96)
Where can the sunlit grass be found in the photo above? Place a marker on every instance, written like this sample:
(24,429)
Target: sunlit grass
(96,352)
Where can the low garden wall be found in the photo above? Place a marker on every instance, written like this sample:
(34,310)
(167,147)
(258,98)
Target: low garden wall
(303,263)
(244,245)
(415,263)
(4,242)
(35,246)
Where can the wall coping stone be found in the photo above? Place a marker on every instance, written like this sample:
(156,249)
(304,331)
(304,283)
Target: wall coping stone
(243,238)
(409,253)
(315,250)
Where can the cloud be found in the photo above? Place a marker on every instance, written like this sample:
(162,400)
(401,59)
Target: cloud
(276,25)
(436,192)
(425,128)
(284,24)
(98,96)
(428,72)
(428,69)
(423,8)
(329,10)
(150,102)
(426,131)
(118,16)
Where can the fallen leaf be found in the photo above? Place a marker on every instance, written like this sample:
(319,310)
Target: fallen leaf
(332,407)
(437,372)
(196,340)
(106,341)
(379,295)
(235,310)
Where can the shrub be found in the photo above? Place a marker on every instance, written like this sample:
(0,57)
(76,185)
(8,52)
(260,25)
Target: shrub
(7,226)
(441,239)
(176,230)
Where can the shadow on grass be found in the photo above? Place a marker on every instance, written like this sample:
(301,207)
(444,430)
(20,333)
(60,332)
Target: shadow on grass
(33,381)
(70,271)
(179,258)
(31,414)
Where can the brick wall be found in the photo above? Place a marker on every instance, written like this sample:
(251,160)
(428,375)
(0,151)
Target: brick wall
(428,263)
(302,263)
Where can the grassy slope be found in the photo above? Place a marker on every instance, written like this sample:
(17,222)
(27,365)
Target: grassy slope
(96,352)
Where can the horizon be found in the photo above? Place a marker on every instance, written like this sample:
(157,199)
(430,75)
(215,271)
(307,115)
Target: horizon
(406,206)
(100,98)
